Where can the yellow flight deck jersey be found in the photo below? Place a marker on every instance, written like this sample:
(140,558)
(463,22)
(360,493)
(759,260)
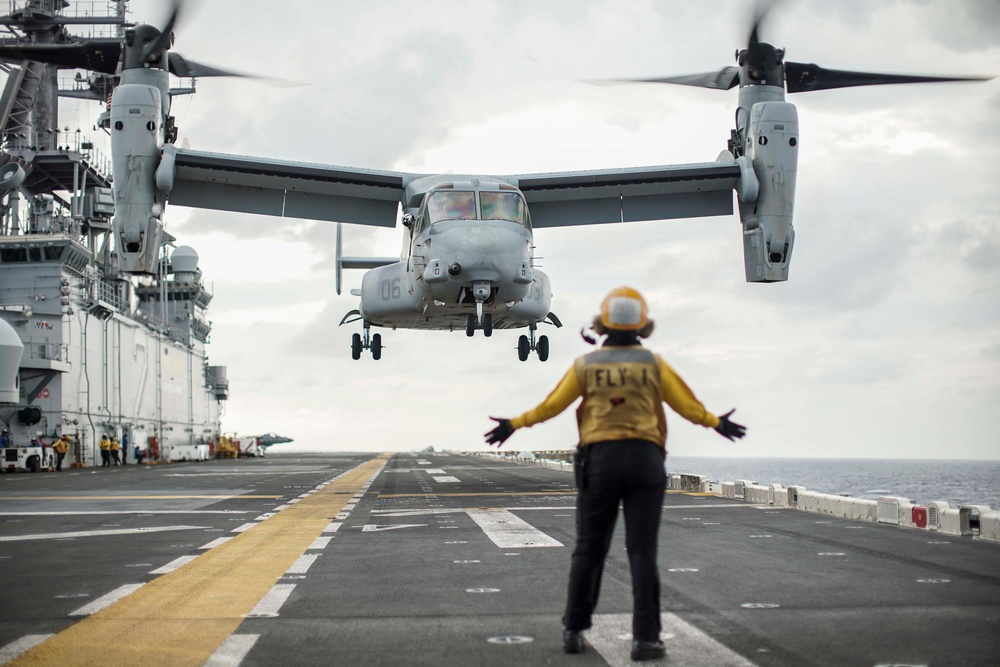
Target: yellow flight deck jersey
(623,390)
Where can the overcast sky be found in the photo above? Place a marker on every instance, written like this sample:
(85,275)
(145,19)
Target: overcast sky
(885,342)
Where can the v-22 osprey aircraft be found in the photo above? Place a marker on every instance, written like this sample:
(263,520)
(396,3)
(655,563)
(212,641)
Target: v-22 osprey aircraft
(468,247)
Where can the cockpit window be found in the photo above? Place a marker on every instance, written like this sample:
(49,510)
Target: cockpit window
(451,205)
(502,206)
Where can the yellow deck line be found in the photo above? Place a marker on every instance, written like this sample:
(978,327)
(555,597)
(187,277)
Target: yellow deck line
(182,617)
(71,497)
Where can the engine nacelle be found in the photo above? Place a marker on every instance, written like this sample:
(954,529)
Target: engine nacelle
(772,146)
(136,144)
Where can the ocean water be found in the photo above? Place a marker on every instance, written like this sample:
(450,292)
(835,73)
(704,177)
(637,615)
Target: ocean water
(958,482)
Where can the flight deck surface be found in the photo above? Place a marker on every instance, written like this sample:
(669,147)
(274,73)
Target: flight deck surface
(443,559)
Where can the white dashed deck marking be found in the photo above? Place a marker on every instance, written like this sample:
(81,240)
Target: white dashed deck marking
(20,646)
(232,651)
(173,565)
(686,644)
(106,600)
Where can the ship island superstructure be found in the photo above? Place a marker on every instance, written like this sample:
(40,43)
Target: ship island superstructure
(105,352)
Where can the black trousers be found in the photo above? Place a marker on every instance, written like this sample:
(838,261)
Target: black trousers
(630,473)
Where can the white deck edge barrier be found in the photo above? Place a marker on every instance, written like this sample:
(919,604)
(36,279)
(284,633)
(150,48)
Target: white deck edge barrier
(978,521)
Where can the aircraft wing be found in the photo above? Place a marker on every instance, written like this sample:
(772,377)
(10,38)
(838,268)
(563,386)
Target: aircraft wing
(286,189)
(627,195)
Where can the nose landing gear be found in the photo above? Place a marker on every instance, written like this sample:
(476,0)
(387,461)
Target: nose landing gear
(526,345)
(481,291)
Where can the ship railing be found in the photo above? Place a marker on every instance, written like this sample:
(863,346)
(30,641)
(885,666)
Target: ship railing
(108,293)
(44,349)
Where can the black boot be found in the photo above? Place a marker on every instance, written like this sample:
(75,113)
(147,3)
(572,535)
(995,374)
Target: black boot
(653,650)
(573,641)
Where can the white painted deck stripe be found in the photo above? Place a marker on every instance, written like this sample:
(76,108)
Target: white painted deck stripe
(320,543)
(302,564)
(509,531)
(173,565)
(244,528)
(96,533)
(434,471)
(686,644)
(106,600)
(20,646)
(216,542)
(232,651)
(333,527)
(270,604)
(280,507)
(446,479)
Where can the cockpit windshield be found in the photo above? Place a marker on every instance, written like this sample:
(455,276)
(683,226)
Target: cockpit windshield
(502,206)
(451,205)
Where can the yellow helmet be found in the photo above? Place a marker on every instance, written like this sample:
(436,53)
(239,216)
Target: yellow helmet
(624,309)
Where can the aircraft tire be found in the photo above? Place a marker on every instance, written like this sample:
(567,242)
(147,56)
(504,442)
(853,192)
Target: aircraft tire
(356,346)
(543,348)
(33,464)
(523,348)
(470,325)
(376,346)
(488,325)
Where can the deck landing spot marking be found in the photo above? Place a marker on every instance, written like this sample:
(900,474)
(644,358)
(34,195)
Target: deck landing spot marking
(759,605)
(482,590)
(446,479)
(511,639)
(232,651)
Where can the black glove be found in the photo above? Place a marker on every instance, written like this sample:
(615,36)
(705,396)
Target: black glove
(500,434)
(730,430)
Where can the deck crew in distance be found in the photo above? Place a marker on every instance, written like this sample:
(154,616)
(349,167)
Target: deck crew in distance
(623,433)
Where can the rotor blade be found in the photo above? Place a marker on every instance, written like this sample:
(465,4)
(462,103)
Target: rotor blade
(97,55)
(760,11)
(182,67)
(804,77)
(724,79)
(166,34)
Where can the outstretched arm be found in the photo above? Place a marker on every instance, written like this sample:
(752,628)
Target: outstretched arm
(567,391)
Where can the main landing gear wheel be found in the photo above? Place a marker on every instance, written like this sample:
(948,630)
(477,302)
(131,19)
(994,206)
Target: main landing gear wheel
(526,345)
(356,346)
(470,325)
(376,346)
(488,325)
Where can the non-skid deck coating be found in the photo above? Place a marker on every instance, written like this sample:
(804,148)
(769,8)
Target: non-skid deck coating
(361,559)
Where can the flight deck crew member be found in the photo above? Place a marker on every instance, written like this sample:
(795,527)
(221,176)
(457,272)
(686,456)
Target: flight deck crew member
(623,434)
(5,438)
(105,446)
(115,447)
(61,446)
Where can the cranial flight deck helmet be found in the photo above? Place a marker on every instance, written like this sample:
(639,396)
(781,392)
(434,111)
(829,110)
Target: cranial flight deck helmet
(624,309)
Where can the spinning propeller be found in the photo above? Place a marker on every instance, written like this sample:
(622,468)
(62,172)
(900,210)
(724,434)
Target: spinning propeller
(761,63)
(144,46)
